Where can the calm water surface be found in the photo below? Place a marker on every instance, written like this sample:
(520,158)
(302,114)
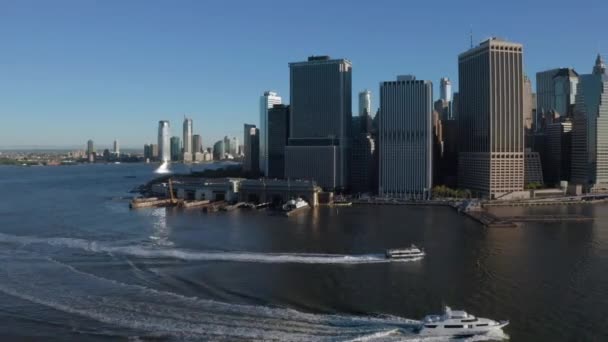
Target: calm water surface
(77,264)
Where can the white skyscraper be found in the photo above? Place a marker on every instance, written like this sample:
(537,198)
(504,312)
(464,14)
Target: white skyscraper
(188,151)
(164,143)
(267,100)
(116,147)
(234,146)
(445,89)
(365,103)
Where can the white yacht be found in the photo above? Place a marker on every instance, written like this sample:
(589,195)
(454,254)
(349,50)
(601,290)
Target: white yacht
(412,252)
(295,204)
(457,324)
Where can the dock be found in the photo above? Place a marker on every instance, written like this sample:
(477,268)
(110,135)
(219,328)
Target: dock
(489,220)
(548,218)
(194,204)
(296,211)
(149,203)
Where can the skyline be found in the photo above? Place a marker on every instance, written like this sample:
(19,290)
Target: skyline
(113,70)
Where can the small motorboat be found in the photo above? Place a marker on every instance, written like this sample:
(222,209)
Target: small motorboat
(457,324)
(412,252)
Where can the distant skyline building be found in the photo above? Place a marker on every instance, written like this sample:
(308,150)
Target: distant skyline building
(590,130)
(234,146)
(365,103)
(227,147)
(247,150)
(90,147)
(267,100)
(219,150)
(320,121)
(197,143)
(490,116)
(164,136)
(188,140)
(116,149)
(558,152)
(445,89)
(278,134)
(176,149)
(405,138)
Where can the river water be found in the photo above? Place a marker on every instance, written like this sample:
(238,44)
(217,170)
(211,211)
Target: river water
(77,264)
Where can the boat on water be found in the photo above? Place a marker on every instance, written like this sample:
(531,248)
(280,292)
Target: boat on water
(293,204)
(457,323)
(411,252)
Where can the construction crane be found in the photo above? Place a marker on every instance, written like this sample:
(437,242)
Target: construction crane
(173,200)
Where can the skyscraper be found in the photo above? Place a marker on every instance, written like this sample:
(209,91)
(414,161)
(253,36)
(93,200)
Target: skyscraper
(590,130)
(234,146)
(555,95)
(320,121)
(278,133)
(365,103)
(164,136)
(490,115)
(90,147)
(116,147)
(219,152)
(267,100)
(187,136)
(197,143)
(175,149)
(529,104)
(227,147)
(405,137)
(252,153)
(445,89)
(247,161)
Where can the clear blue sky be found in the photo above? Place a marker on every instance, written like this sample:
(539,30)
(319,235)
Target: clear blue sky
(80,69)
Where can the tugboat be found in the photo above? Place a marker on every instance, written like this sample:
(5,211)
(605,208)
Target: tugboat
(412,252)
(458,324)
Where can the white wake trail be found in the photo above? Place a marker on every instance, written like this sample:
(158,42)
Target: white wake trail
(176,253)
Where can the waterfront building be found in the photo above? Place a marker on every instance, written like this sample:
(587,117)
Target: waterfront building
(116,149)
(405,138)
(164,134)
(558,149)
(219,151)
(445,89)
(175,149)
(533,172)
(278,133)
(188,140)
(252,152)
(590,130)
(249,158)
(365,103)
(320,121)
(447,164)
(267,100)
(197,143)
(490,116)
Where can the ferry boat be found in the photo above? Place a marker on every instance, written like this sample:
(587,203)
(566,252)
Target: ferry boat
(412,252)
(457,324)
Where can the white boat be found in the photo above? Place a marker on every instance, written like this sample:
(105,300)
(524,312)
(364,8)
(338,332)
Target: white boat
(295,204)
(457,324)
(412,252)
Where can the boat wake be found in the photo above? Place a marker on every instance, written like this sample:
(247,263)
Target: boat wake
(63,287)
(143,251)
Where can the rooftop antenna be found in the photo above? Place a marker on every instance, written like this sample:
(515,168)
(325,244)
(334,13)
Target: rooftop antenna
(471,35)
